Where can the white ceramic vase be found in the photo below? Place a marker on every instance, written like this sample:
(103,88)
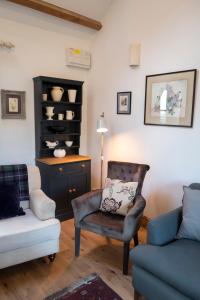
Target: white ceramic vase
(72,95)
(49,112)
(56,93)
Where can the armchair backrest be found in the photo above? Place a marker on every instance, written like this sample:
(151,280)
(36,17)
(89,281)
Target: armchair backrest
(128,172)
(195,186)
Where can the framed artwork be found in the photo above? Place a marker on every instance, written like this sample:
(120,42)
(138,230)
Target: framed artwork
(124,103)
(13,104)
(169,99)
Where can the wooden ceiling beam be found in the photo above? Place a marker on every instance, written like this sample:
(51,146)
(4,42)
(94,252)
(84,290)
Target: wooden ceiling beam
(59,12)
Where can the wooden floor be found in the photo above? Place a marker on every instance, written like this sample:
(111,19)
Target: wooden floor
(35,280)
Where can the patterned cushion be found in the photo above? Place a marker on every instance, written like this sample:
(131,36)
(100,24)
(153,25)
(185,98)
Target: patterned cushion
(16,174)
(118,196)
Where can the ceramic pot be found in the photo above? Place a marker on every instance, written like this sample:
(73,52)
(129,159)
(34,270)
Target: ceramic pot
(56,93)
(59,153)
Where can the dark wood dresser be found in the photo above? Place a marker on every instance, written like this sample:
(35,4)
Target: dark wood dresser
(64,179)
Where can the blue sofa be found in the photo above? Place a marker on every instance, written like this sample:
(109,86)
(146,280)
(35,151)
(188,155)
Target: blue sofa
(166,268)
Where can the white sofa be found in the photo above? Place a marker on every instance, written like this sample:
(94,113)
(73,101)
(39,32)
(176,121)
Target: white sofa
(34,235)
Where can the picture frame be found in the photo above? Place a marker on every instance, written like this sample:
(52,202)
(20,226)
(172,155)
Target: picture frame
(124,103)
(13,104)
(169,99)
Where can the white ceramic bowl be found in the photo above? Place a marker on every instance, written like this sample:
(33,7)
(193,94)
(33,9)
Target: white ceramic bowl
(68,143)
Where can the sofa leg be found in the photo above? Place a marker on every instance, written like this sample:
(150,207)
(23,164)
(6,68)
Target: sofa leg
(136,239)
(52,257)
(126,258)
(137,296)
(77,241)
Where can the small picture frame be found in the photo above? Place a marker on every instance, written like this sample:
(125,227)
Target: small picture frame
(124,103)
(169,99)
(13,104)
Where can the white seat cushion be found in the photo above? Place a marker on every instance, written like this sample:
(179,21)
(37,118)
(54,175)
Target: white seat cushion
(24,231)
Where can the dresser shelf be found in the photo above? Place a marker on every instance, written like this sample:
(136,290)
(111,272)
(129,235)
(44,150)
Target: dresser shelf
(53,103)
(60,121)
(43,130)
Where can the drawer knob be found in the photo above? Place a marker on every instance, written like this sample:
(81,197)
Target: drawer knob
(74,190)
(83,165)
(60,169)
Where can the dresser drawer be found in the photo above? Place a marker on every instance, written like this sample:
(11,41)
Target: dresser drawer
(63,169)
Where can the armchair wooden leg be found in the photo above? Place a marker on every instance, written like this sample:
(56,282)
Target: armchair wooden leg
(52,257)
(136,239)
(77,241)
(137,296)
(126,257)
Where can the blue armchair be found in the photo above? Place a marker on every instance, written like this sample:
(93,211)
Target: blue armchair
(167,268)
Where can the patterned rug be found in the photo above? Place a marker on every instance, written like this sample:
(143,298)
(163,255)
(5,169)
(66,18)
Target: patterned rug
(90,288)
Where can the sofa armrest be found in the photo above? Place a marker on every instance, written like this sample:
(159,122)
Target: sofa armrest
(132,219)
(163,229)
(41,205)
(85,205)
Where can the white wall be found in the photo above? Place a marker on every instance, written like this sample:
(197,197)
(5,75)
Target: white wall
(169,34)
(40,42)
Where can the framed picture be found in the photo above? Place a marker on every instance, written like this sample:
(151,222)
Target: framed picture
(169,99)
(124,103)
(13,105)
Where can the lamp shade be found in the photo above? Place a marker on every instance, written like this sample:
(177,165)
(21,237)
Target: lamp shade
(101,126)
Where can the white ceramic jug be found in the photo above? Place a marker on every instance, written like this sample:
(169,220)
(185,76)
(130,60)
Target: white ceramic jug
(72,95)
(69,114)
(56,93)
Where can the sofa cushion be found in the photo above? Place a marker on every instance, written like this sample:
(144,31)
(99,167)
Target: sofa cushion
(104,223)
(10,174)
(177,264)
(118,196)
(9,201)
(190,226)
(24,231)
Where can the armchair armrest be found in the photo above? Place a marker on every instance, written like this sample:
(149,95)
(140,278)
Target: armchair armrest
(163,230)
(41,205)
(132,219)
(85,205)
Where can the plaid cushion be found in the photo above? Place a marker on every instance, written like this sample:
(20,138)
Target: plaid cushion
(16,174)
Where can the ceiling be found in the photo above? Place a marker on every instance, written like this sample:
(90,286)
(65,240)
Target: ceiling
(95,9)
